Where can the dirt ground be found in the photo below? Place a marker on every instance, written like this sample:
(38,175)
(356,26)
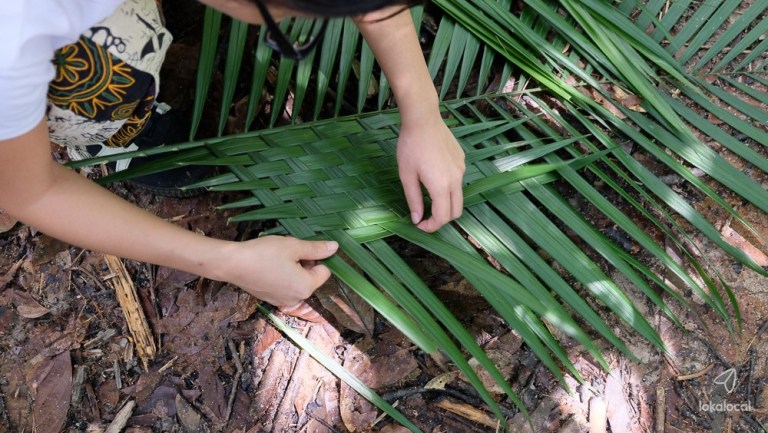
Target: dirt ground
(69,362)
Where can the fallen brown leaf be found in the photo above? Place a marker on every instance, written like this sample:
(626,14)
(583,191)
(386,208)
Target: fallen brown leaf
(394,368)
(27,306)
(52,395)
(738,241)
(304,311)
(108,396)
(5,279)
(203,318)
(469,412)
(607,104)
(50,343)
(173,278)
(270,336)
(503,360)
(440,381)
(189,418)
(349,309)
(213,396)
(46,249)
(356,412)
(312,374)
(628,100)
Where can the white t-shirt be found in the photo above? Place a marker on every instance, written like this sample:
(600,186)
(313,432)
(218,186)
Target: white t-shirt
(32,31)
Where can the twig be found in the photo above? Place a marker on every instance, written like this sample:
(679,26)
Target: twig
(695,375)
(121,419)
(118,378)
(134,315)
(763,327)
(407,392)
(168,364)
(750,372)
(661,408)
(102,336)
(97,282)
(325,423)
(236,382)
(468,412)
(383,415)
(76,259)
(756,399)
(77,386)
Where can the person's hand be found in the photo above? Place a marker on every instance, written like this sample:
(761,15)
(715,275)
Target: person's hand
(428,154)
(280,270)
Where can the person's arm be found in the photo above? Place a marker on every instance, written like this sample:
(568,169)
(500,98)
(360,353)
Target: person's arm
(427,151)
(39,192)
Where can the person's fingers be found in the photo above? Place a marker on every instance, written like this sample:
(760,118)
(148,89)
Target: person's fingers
(318,275)
(413,196)
(294,309)
(441,210)
(457,203)
(316,250)
(308,264)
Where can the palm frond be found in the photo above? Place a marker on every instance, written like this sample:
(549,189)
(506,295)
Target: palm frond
(531,155)
(343,58)
(340,371)
(337,179)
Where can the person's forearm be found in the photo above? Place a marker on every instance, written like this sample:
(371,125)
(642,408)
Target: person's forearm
(91,217)
(396,47)
(59,202)
(428,154)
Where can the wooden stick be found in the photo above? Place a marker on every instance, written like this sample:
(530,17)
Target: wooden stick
(236,381)
(598,415)
(121,419)
(661,409)
(134,315)
(466,411)
(77,386)
(696,374)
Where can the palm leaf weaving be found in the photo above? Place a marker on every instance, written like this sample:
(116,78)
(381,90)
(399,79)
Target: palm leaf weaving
(530,155)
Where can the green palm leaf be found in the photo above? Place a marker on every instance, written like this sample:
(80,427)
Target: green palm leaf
(337,178)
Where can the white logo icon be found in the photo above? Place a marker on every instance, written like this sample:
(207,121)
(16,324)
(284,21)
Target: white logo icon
(727,379)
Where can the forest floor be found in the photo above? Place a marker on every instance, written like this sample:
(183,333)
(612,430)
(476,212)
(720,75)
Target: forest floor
(68,360)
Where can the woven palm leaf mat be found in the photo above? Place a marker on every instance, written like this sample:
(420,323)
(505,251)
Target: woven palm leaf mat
(337,179)
(342,174)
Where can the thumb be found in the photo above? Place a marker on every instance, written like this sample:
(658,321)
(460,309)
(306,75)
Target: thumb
(317,250)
